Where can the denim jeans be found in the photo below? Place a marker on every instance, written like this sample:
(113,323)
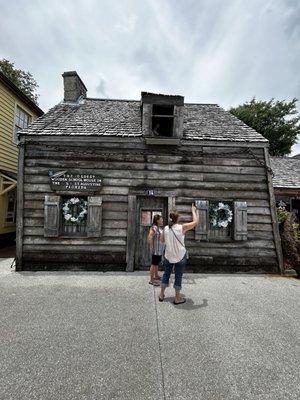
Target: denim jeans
(179,268)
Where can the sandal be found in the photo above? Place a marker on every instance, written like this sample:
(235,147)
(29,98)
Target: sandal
(154,283)
(180,302)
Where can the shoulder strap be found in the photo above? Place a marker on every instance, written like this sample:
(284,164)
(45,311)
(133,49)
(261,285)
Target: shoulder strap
(177,237)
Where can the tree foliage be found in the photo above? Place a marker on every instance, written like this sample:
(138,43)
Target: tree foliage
(23,80)
(277,121)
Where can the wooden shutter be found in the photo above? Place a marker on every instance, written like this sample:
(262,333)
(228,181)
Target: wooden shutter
(51,216)
(240,220)
(146,120)
(131,232)
(201,230)
(178,121)
(94,219)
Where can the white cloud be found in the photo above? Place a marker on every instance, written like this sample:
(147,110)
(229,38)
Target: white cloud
(207,50)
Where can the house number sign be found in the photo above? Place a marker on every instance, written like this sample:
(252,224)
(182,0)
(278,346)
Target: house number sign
(68,180)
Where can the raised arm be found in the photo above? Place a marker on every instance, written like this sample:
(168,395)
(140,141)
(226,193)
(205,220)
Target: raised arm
(190,225)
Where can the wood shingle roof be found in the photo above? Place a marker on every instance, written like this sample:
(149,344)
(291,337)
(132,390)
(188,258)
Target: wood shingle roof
(286,172)
(105,117)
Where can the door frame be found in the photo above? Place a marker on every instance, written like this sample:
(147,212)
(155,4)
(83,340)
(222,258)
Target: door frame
(133,223)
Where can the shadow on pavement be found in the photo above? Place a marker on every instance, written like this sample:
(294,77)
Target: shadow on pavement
(189,305)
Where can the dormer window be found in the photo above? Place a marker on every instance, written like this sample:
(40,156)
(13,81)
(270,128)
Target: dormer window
(162,120)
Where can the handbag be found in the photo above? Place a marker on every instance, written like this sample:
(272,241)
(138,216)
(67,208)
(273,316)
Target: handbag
(186,252)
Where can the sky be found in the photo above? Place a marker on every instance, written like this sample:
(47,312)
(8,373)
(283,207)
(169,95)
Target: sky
(209,51)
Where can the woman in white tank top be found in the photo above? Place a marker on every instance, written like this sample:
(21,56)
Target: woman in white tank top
(175,253)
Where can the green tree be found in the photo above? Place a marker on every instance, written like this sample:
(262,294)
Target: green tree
(23,80)
(277,121)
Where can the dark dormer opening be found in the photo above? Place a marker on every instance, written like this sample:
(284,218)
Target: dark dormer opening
(162,120)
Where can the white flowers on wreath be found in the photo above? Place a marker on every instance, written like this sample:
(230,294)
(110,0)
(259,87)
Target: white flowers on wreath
(220,215)
(75,210)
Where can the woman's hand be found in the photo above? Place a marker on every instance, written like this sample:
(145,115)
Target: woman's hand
(191,225)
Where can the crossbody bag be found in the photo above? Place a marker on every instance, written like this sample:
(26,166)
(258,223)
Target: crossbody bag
(186,252)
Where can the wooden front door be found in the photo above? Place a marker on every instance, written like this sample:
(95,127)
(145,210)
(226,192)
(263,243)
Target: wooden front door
(147,207)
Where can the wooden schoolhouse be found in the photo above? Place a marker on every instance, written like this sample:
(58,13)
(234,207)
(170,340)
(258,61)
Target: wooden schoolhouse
(93,172)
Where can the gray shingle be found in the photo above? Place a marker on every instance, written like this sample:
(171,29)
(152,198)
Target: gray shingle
(286,171)
(123,118)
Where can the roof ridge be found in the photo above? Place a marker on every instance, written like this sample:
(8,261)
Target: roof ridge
(109,99)
(138,101)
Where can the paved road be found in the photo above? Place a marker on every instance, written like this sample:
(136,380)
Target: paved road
(90,336)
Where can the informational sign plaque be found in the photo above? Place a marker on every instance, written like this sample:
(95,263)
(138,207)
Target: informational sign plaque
(68,180)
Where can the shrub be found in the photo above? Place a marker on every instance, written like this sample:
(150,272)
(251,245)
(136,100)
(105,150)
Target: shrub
(296,228)
(282,214)
(290,244)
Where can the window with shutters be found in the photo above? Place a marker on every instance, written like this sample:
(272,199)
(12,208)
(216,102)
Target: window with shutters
(212,213)
(72,216)
(220,228)
(74,212)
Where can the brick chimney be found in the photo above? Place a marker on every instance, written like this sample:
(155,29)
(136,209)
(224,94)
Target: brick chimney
(73,86)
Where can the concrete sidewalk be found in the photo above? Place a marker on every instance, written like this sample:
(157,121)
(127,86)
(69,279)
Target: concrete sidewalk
(74,335)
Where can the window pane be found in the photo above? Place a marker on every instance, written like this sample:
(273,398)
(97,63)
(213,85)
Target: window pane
(74,216)
(162,110)
(146,218)
(155,213)
(162,126)
(22,118)
(11,207)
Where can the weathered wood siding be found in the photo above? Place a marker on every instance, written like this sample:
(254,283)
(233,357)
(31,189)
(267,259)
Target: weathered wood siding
(192,172)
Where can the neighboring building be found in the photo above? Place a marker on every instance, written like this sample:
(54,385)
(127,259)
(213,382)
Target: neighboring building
(286,183)
(16,112)
(93,172)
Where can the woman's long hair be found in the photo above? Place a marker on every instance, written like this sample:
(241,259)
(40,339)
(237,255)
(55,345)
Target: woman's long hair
(156,218)
(174,216)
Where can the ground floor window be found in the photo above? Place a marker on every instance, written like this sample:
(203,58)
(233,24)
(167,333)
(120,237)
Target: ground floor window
(220,220)
(295,205)
(292,205)
(74,216)
(10,215)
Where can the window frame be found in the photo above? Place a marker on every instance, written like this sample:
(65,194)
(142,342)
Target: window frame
(167,116)
(14,212)
(17,127)
(53,215)
(63,224)
(228,237)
